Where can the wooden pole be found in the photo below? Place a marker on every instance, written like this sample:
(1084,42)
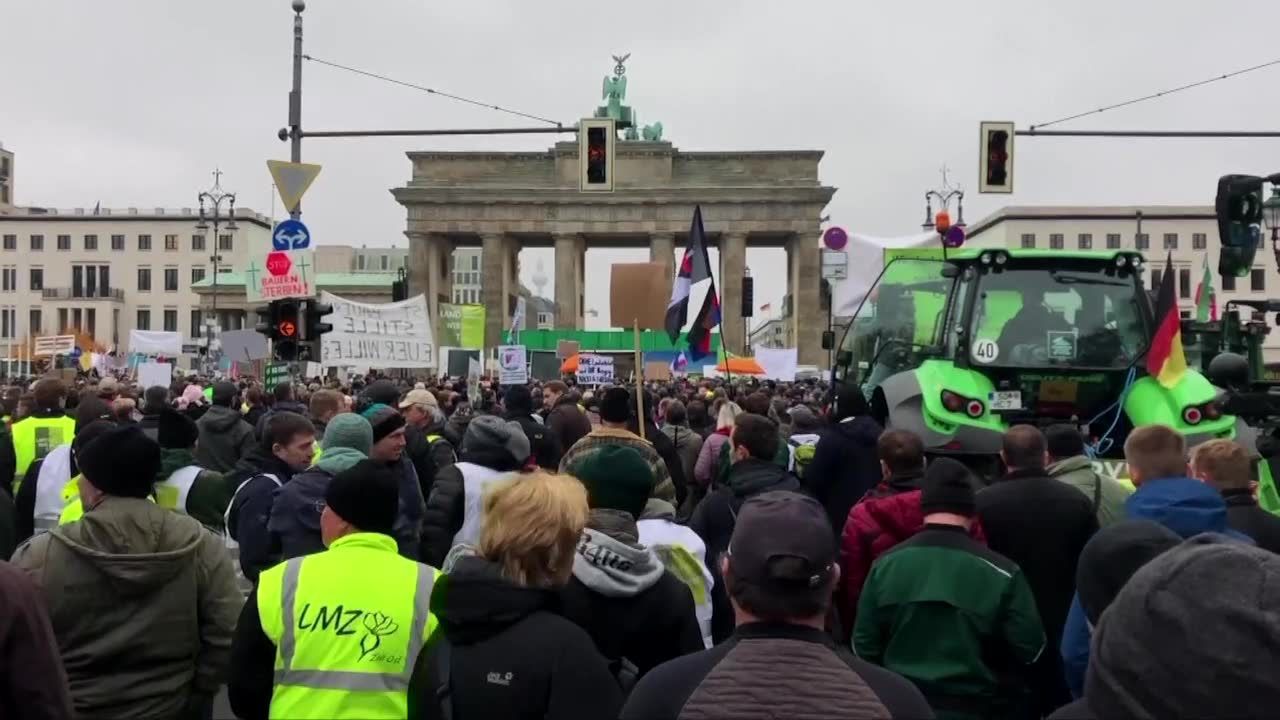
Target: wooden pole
(635,335)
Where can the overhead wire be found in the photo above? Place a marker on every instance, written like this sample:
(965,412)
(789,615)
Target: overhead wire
(432,91)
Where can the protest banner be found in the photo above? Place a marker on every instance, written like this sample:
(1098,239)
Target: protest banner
(595,369)
(462,326)
(390,335)
(513,365)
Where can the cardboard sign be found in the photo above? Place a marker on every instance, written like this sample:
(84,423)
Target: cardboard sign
(639,293)
(53,345)
(657,370)
(151,374)
(390,335)
(566,349)
(513,365)
(244,345)
(595,369)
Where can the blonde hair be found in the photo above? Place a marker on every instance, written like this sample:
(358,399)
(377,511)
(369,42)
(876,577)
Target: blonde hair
(729,413)
(1223,463)
(532,524)
(1156,451)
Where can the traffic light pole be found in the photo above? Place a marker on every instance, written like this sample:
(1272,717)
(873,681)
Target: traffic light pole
(1032,132)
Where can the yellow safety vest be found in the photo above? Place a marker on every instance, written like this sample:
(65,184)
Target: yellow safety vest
(34,437)
(72,510)
(347,624)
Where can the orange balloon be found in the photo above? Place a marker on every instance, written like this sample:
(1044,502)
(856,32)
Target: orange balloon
(942,221)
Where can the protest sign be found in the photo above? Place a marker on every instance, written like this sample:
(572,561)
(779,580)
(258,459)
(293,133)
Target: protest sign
(595,369)
(390,335)
(513,365)
(151,374)
(462,326)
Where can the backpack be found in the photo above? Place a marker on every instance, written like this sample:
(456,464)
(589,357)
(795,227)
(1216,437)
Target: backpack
(803,453)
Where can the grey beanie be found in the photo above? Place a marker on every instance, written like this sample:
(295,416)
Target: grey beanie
(348,430)
(1195,633)
(486,433)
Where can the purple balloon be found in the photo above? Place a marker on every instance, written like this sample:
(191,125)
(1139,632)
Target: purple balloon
(954,236)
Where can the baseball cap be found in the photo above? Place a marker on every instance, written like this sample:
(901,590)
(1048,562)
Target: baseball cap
(108,385)
(783,539)
(419,397)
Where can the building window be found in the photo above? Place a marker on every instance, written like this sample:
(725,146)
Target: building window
(197,243)
(37,278)
(1055,241)
(1142,241)
(1028,241)
(1171,241)
(1258,280)
(1199,241)
(117,242)
(90,242)
(385,263)
(1084,241)
(62,321)
(10,242)
(10,275)
(144,319)
(224,243)
(37,243)
(171,321)
(1155,279)
(1184,283)
(91,322)
(35,323)
(1113,241)
(144,242)
(144,279)
(475,262)
(64,242)
(195,324)
(197,274)
(7,329)
(170,242)
(171,279)
(1228,282)
(359,262)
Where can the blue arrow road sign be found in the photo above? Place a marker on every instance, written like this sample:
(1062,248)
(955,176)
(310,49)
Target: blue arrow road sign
(291,235)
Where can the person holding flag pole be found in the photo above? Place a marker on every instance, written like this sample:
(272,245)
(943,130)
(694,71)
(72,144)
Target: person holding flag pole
(694,268)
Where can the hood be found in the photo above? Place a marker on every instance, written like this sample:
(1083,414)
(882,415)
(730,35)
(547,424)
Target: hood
(655,509)
(1070,465)
(335,460)
(172,459)
(898,515)
(861,430)
(138,545)
(614,568)
(753,476)
(220,419)
(475,602)
(1185,506)
(680,436)
(260,461)
(291,406)
(805,438)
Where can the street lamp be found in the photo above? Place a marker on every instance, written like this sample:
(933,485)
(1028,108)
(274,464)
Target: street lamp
(944,198)
(1271,213)
(212,210)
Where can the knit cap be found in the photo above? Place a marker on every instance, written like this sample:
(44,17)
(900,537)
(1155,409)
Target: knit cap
(616,478)
(948,488)
(348,430)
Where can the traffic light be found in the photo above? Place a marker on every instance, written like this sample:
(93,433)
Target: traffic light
(316,326)
(266,324)
(595,153)
(287,326)
(1238,206)
(996,157)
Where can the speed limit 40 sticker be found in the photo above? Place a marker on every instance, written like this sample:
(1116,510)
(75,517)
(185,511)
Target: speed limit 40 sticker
(986,351)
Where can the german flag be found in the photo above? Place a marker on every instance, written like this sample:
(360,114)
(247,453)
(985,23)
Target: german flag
(1165,360)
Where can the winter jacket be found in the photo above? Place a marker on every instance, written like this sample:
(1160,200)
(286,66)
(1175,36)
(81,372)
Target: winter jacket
(254,414)
(844,467)
(413,507)
(569,422)
(33,683)
(150,424)
(1244,516)
(280,406)
(887,516)
(1042,525)
(209,495)
(543,441)
(688,445)
(671,459)
(774,670)
(456,428)
(9,525)
(250,511)
(956,619)
(663,487)
(143,602)
(225,439)
(429,450)
(450,508)
(625,599)
(716,516)
(704,470)
(295,512)
(510,654)
(683,554)
(1105,493)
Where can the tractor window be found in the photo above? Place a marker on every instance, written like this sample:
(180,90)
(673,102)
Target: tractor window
(1057,318)
(899,320)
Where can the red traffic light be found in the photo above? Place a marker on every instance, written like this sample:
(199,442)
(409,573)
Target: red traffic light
(287,329)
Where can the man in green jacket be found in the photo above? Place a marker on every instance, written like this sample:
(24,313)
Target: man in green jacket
(955,618)
(1069,464)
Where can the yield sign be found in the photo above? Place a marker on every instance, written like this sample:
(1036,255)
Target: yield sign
(292,180)
(278,263)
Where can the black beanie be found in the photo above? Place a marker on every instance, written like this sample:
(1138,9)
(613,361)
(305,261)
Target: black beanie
(122,461)
(367,495)
(948,487)
(616,405)
(1112,556)
(176,431)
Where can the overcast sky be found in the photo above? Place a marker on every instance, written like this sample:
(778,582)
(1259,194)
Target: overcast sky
(133,102)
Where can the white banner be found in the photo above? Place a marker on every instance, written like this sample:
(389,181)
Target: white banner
(513,365)
(54,345)
(151,374)
(155,342)
(393,335)
(778,364)
(865,258)
(595,369)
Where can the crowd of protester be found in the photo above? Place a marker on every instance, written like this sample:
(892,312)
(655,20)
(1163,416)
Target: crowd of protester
(718,549)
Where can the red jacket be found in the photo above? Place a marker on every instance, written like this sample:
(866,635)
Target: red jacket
(883,518)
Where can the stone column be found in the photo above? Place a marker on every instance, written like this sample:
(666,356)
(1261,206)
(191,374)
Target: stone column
(733,265)
(662,248)
(429,272)
(497,267)
(569,281)
(804,279)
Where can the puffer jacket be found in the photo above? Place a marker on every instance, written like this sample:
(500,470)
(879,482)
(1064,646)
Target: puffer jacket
(568,421)
(844,466)
(143,602)
(225,439)
(688,446)
(704,470)
(295,512)
(1105,492)
(446,508)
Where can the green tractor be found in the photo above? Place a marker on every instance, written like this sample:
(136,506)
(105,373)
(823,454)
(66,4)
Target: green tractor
(959,345)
